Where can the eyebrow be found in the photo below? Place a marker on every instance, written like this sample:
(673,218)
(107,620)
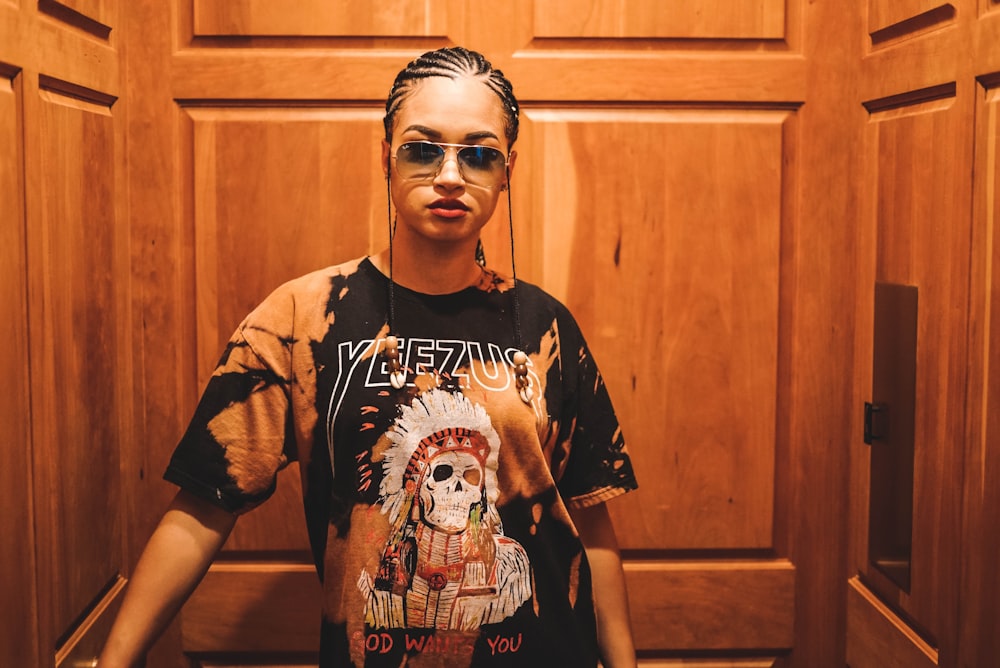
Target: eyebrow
(434,134)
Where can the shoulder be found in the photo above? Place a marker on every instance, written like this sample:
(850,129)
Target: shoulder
(544,318)
(321,281)
(320,284)
(528,293)
(540,306)
(306,297)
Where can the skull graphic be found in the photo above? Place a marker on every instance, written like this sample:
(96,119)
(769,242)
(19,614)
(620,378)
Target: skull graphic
(452,486)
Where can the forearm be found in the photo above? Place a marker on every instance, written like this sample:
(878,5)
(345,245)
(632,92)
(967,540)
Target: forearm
(614,628)
(175,559)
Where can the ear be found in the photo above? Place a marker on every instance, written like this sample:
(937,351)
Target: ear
(385,157)
(511,159)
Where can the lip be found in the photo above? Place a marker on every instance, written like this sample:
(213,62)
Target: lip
(448,208)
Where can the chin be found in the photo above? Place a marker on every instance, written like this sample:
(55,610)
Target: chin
(450,231)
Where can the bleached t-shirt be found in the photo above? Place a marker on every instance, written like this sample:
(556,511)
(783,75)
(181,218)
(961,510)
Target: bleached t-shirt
(437,513)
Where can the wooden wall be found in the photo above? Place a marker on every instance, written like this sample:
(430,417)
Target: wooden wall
(928,82)
(712,187)
(674,188)
(69,437)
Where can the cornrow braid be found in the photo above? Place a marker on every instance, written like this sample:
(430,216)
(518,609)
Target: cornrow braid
(453,63)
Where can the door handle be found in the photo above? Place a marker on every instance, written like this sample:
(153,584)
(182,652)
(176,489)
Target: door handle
(876,422)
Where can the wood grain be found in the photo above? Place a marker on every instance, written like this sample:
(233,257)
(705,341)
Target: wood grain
(263,181)
(885,13)
(83,646)
(763,19)
(19,634)
(877,638)
(746,605)
(230,612)
(672,266)
(78,291)
(920,242)
(928,209)
(980,580)
(406,18)
(66,285)
(782,203)
(716,606)
(818,296)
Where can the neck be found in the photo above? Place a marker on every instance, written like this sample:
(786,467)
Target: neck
(432,270)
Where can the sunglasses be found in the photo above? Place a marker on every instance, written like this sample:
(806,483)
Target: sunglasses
(479,165)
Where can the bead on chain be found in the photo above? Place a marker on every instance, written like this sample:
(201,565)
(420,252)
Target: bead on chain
(397,378)
(521,378)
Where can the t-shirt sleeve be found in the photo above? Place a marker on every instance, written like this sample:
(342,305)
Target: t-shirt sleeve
(599,467)
(239,437)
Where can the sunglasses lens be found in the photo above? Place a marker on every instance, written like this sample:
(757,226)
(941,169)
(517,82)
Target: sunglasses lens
(419,159)
(481,165)
(481,162)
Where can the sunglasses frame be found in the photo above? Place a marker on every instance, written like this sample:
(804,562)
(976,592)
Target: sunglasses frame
(461,167)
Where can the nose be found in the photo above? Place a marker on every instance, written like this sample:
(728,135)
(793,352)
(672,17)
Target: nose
(450,174)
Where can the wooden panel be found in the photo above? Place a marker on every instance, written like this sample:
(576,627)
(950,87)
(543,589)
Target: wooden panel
(921,153)
(100,11)
(885,13)
(284,191)
(818,295)
(277,526)
(769,662)
(749,19)
(877,638)
(926,63)
(712,605)
(978,641)
(693,605)
(643,663)
(160,222)
(233,609)
(986,39)
(92,16)
(246,663)
(78,291)
(83,646)
(917,202)
(23,39)
(266,180)
(397,18)
(704,192)
(281,74)
(18,633)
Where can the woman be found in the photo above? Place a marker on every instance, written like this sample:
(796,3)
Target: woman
(455,438)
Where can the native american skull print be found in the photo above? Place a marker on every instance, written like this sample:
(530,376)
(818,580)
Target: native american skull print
(447,564)
(452,486)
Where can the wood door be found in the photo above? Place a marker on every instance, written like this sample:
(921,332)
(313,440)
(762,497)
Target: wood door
(67,419)
(680,186)
(929,181)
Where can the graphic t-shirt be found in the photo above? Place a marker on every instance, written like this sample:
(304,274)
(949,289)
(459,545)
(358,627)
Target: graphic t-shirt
(437,513)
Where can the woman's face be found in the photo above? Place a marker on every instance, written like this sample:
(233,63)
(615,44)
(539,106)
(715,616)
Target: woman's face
(445,208)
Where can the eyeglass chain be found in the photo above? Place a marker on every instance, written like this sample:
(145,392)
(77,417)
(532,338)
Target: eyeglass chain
(397,377)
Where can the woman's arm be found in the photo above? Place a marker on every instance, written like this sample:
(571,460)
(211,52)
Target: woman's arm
(614,628)
(174,561)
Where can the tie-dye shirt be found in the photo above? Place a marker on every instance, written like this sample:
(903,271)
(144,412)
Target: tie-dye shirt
(437,513)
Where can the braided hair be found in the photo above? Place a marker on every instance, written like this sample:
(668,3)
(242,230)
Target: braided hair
(452,62)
